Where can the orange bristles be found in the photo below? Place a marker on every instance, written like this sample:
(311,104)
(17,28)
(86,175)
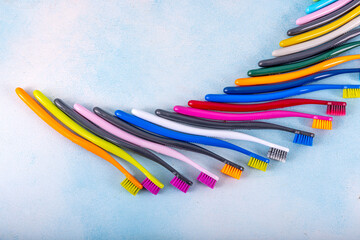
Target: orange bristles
(231,171)
(322,124)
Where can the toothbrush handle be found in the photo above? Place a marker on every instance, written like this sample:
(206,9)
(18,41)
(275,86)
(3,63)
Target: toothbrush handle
(273,96)
(254,107)
(324,19)
(305,63)
(138,141)
(288,84)
(244,117)
(200,122)
(322,12)
(318,5)
(71,136)
(160,139)
(182,136)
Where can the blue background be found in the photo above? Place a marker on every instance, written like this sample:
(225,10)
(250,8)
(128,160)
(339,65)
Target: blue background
(156,54)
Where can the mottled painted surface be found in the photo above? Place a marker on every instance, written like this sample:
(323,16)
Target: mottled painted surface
(148,55)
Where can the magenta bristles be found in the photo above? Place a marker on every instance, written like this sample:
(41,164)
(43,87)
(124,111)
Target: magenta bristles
(205,179)
(150,186)
(180,184)
(336,109)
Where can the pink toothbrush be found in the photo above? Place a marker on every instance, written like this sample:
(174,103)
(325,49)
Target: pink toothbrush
(205,176)
(320,122)
(322,12)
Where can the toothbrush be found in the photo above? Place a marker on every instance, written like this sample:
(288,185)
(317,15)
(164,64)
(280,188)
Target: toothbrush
(349,91)
(333,108)
(322,12)
(305,63)
(275,152)
(297,74)
(288,84)
(183,183)
(318,41)
(318,5)
(205,177)
(320,122)
(230,168)
(301,137)
(130,183)
(322,30)
(150,183)
(303,55)
(256,161)
(324,20)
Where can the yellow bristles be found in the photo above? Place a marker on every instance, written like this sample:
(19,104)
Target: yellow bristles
(130,187)
(322,124)
(256,163)
(231,171)
(351,93)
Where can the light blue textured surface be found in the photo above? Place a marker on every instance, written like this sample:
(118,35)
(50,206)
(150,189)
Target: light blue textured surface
(148,55)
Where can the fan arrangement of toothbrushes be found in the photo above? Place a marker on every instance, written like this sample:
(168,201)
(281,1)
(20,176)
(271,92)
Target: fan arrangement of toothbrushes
(316,45)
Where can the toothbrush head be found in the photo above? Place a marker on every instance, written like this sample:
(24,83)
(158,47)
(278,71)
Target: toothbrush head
(130,187)
(207,180)
(149,185)
(277,154)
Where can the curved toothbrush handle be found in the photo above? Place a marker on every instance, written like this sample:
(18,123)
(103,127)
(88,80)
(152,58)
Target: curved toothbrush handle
(254,107)
(182,136)
(288,84)
(322,12)
(136,140)
(244,117)
(318,5)
(275,95)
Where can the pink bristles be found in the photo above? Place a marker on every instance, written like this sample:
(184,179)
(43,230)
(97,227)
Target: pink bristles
(150,186)
(205,179)
(180,184)
(336,109)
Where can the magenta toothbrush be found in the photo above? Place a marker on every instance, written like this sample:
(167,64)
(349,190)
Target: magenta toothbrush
(320,122)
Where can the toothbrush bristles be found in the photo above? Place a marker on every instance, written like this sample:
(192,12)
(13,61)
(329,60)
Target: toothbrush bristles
(231,171)
(130,187)
(258,164)
(277,154)
(336,109)
(150,186)
(303,139)
(180,184)
(207,180)
(322,124)
(351,93)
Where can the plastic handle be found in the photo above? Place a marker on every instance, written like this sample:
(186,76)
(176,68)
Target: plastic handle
(91,137)
(322,30)
(295,66)
(318,41)
(85,123)
(275,95)
(33,105)
(138,141)
(324,20)
(200,122)
(259,106)
(161,140)
(184,137)
(309,52)
(288,84)
(202,132)
(297,74)
(318,5)
(322,12)
(245,116)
